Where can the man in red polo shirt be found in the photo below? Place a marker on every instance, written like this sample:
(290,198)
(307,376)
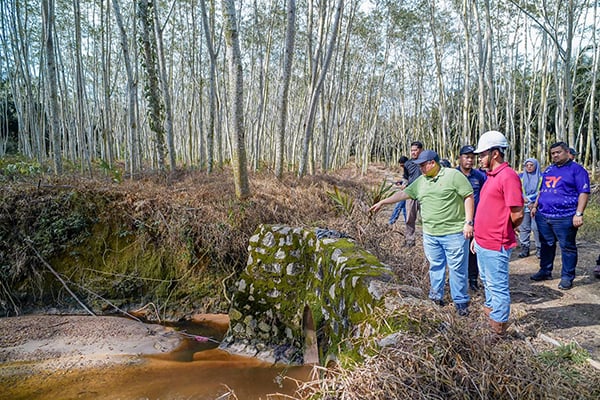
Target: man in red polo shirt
(500,211)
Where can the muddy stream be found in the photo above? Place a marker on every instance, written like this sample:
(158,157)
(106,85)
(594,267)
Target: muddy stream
(194,369)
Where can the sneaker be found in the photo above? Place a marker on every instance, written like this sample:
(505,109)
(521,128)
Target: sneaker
(538,252)
(565,284)
(462,309)
(409,243)
(540,276)
(597,271)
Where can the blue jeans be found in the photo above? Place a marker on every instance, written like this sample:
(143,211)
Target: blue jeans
(493,271)
(561,230)
(400,206)
(447,250)
(527,226)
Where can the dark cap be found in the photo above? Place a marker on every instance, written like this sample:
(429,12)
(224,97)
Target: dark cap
(573,151)
(468,149)
(427,155)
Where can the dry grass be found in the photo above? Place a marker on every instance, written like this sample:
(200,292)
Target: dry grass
(437,355)
(440,356)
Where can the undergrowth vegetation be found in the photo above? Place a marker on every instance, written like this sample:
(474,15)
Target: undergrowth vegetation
(175,244)
(439,356)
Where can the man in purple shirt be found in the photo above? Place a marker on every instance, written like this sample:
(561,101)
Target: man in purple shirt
(558,213)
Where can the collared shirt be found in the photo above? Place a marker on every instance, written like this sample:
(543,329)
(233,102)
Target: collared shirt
(442,200)
(476,178)
(561,186)
(493,226)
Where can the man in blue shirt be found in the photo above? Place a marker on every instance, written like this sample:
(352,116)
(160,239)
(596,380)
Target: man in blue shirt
(476,178)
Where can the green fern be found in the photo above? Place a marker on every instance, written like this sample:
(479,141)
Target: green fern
(383,191)
(343,201)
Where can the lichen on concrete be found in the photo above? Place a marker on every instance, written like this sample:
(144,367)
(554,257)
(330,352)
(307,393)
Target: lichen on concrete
(290,270)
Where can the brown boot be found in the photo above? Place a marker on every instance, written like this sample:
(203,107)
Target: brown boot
(498,327)
(487,311)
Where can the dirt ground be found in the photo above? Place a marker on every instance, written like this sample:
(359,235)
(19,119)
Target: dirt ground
(563,315)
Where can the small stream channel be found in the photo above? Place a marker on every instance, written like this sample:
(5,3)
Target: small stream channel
(195,370)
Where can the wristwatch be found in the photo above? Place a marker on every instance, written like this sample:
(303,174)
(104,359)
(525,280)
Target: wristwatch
(469,222)
(579,214)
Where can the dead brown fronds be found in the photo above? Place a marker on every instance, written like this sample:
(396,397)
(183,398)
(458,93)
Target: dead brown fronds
(440,356)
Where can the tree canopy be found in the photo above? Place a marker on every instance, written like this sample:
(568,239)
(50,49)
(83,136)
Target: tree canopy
(364,78)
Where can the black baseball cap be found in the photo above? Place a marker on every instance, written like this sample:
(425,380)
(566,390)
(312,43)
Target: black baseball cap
(467,149)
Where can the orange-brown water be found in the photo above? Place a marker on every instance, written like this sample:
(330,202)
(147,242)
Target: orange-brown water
(196,370)
(159,379)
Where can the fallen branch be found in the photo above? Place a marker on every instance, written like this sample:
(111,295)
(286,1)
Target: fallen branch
(29,243)
(109,303)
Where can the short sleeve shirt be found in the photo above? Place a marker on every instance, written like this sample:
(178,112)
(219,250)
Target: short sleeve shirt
(411,171)
(493,226)
(560,189)
(442,201)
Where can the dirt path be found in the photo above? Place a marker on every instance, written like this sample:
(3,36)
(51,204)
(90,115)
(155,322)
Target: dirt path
(564,315)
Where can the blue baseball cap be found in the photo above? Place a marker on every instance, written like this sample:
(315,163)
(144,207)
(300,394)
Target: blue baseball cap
(427,155)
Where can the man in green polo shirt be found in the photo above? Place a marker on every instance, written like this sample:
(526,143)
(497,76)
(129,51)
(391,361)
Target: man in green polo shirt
(446,199)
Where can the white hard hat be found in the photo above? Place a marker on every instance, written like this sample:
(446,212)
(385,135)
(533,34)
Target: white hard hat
(490,140)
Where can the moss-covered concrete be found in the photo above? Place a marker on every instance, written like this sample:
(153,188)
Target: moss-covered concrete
(291,272)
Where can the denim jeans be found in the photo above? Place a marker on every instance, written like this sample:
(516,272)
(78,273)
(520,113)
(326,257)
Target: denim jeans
(447,250)
(493,272)
(527,226)
(561,230)
(400,206)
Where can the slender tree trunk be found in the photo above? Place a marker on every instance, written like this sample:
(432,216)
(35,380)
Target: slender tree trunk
(492,110)
(164,83)
(567,65)
(155,105)
(81,125)
(236,90)
(440,81)
(591,150)
(107,125)
(48,18)
(480,72)
(290,36)
(212,96)
(134,159)
(467,138)
(308,133)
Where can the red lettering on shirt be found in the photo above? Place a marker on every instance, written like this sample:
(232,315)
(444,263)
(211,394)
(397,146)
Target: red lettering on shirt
(551,181)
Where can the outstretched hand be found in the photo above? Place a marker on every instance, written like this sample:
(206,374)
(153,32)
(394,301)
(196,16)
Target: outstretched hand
(375,207)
